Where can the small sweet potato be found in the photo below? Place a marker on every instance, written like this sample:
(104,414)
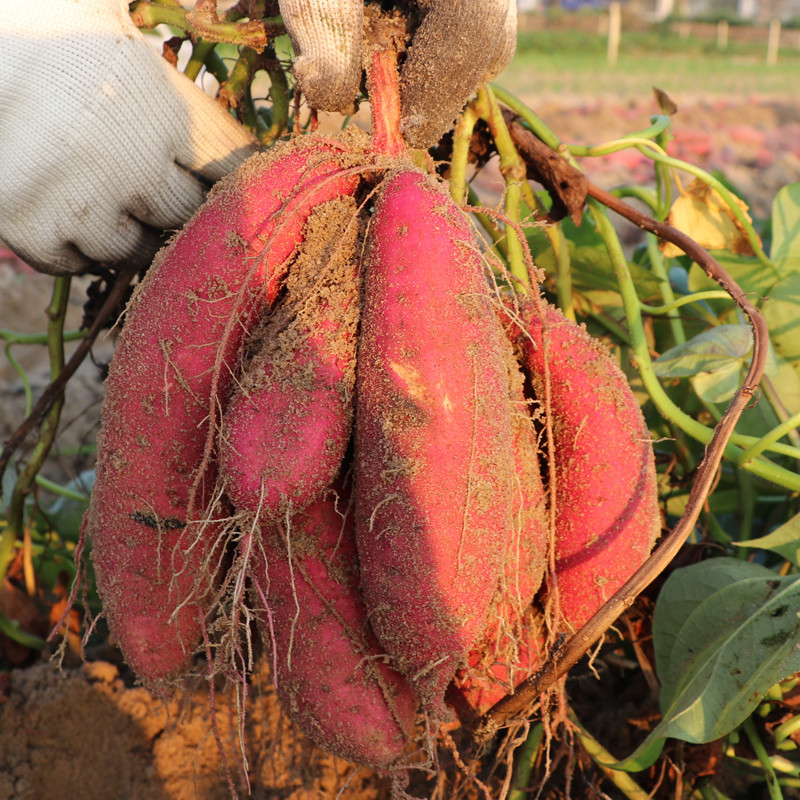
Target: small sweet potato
(152,511)
(433,436)
(331,674)
(498,667)
(287,425)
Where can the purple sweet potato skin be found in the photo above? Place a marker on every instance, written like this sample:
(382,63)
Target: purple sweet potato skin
(329,670)
(288,424)
(174,363)
(607,517)
(433,436)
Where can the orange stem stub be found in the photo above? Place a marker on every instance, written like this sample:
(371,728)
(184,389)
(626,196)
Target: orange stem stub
(383,85)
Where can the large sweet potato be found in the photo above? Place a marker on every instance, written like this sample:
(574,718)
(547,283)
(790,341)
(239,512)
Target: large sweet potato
(509,649)
(433,436)
(152,511)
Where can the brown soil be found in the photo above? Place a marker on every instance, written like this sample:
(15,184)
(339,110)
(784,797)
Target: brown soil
(84,733)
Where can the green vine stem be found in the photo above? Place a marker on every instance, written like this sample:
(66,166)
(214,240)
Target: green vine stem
(515,175)
(525,758)
(667,294)
(536,124)
(460,157)
(663,180)
(26,384)
(200,53)
(613,146)
(217,67)
(498,237)
(711,294)
(61,491)
(767,441)
(56,313)
(11,629)
(12,337)
(773,786)
(558,241)
(622,780)
(279,94)
(201,24)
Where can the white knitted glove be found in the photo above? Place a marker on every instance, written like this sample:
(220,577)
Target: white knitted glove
(104,145)
(458,45)
(326,35)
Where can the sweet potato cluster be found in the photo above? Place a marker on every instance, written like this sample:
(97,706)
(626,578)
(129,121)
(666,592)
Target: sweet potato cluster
(325,418)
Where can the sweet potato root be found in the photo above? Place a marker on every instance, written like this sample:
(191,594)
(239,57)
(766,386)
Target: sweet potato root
(509,650)
(606,506)
(287,426)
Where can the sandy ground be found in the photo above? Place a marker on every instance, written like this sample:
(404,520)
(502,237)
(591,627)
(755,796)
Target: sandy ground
(88,733)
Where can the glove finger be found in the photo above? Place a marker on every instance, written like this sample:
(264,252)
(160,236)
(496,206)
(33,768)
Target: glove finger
(506,46)
(207,139)
(169,200)
(326,35)
(451,51)
(132,242)
(129,240)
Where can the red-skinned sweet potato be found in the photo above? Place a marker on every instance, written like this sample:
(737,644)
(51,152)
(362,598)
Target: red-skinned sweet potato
(509,649)
(330,672)
(433,436)
(606,505)
(287,426)
(152,511)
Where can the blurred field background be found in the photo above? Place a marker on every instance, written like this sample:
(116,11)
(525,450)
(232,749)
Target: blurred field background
(735,81)
(562,53)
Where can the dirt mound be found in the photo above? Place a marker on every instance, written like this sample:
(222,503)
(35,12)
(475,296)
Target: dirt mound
(85,733)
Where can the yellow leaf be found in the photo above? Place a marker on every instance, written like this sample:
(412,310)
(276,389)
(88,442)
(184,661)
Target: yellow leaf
(700,212)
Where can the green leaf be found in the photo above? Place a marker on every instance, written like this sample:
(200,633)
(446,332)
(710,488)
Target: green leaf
(709,350)
(680,597)
(786,385)
(719,385)
(590,264)
(781,311)
(748,272)
(715,359)
(786,228)
(725,631)
(66,513)
(784,540)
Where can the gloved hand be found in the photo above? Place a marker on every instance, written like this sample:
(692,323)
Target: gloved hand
(458,45)
(104,145)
